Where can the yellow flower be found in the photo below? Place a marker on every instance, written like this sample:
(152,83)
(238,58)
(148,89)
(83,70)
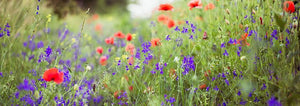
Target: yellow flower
(73,40)
(124,57)
(117,59)
(133,36)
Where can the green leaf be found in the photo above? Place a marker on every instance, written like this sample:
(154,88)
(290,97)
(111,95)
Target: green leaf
(280,22)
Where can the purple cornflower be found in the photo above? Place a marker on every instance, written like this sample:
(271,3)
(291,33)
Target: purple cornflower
(274,33)
(227,82)
(287,42)
(48,51)
(146,47)
(191,37)
(223,45)
(225,53)
(137,55)
(238,53)
(153,72)
(246,16)
(177,28)
(26,86)
(184,30)
(264,86)
(252,19)
(288,31)
(230,41)
(243,102)
(273,102)
(40,44)
(187,64)
(216,88)
(168,38)
(256,100)
(1,74)
(1,34)
(7,30)
(246,29)
(239,93)
(193,26)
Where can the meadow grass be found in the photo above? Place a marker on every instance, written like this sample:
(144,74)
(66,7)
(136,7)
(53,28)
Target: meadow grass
(182,68)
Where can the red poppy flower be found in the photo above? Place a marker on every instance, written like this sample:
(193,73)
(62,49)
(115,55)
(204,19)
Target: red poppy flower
(95,16)
(209,6)
(289,6)
(129,37)
(195,4)
(171,23)
(109,40)
(155,42)
(203,86)
(119,35)
(165,7)
(99,50)
(103,60)
(162,18)
(130,88)
(130,48)
(243,40)
(98,27)
(116,94)
(53,75)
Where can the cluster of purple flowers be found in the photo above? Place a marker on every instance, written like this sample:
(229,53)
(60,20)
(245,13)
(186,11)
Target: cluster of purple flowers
(188,64)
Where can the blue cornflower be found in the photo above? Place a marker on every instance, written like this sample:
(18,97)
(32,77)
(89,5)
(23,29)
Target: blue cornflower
(137,55)
(184,30)
(48,51)
(223,45)
(191,37)
(193,26)
(225,53)
(1,34)
(246,29)
(188,64)
(246,16)
(288,31)
(177,28)
(168,38)
(287,41)
(264,86)
(251,32)
(216,88)
(274,33)
(252,19)
(256,100)
(273,102)
(40,44)
(230,41)
(26,86)
(1,74)
(238,53)
(207,88)
(243,102)
(146,47)
(227,82)
(187,22)
(239,93)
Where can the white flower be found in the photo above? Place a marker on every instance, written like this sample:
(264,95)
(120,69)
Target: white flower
(88,68)
(243,57)
(176,59)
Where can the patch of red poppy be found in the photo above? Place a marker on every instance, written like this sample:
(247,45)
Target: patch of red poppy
(99,50)
(155,42)
(209,6)
(195,4)
(130,88)
(98,27)
(109,40)
(289,6)
(165,7)
(130,48)
(129,37)
(53,75)
(203,86)
(163,18)
(103,60)
(119,34)
(243,40)
(171,23)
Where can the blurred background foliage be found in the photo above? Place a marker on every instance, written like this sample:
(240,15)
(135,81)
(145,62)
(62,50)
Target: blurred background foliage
(64,7)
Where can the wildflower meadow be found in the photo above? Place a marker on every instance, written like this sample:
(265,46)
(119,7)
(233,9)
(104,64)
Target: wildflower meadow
(186,53)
